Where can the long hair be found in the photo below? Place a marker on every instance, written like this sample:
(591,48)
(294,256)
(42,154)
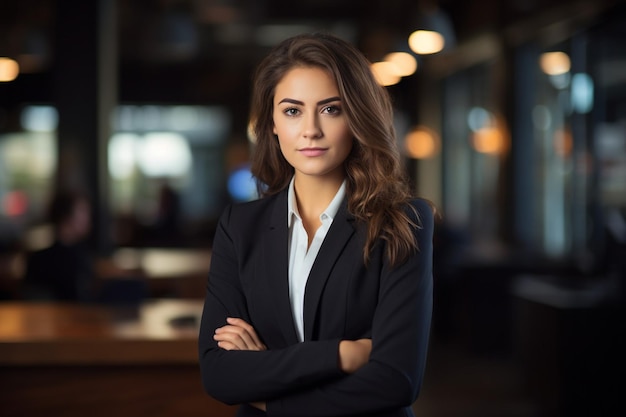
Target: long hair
(378,192)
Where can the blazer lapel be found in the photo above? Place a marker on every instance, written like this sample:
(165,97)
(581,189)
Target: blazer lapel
(338,235)
(275,242)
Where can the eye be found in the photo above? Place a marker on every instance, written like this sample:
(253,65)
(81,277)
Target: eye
(332,110)
(291,111)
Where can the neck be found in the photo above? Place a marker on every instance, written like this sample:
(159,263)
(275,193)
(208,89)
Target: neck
(313,195)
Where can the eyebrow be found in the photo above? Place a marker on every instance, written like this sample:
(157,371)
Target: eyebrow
(319,103)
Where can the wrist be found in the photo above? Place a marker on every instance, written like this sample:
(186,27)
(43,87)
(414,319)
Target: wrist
(346,356)
(353,354)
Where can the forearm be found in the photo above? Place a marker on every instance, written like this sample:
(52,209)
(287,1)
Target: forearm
(390,380)
(239,335)
(246,376)
(353,354)
(374,388)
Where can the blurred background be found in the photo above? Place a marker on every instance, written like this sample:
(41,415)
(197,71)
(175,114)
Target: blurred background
(511,116)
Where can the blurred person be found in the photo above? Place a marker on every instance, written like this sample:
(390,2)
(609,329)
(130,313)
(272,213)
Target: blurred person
(166,228)
(64,270)
(9,259)
(319,295)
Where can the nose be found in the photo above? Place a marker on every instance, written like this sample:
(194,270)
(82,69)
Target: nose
(312,128)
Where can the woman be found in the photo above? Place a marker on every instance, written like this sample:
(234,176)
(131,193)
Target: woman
(319,295)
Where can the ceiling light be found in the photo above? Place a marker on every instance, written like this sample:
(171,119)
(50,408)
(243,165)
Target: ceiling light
(404,63)
(425,42)
(9,69)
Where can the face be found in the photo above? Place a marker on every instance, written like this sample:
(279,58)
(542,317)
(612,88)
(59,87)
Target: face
(310,123)
(80,222)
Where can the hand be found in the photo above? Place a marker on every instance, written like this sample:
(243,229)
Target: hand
(353,354)
(238,335)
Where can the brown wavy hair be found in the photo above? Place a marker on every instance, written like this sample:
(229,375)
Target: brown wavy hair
(377,189)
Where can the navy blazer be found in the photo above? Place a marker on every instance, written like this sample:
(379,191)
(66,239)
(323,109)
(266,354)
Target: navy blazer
(344,299)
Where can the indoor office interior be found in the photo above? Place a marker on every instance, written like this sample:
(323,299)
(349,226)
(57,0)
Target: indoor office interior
(510,117)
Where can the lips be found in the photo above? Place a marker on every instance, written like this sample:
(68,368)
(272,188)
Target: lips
(313,151)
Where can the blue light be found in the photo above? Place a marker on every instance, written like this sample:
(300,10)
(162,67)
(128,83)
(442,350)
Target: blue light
(582,93)
(241,185)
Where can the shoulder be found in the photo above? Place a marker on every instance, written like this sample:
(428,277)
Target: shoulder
(422,214)
(423,211)
(244,215)
(254,207)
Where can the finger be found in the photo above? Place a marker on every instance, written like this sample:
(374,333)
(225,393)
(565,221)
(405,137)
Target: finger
(227,346)
(230,335)
(251,332)
(238,336)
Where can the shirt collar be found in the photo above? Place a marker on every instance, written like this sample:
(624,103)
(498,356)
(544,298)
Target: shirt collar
(330,212)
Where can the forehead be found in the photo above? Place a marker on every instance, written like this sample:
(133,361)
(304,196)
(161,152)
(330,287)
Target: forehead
(307,81)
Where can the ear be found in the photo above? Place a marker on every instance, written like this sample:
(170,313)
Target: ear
(274,130)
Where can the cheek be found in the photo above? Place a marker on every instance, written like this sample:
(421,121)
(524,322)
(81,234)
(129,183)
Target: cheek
(276,125)
(286,132)
(284,148)
(347,150)
(277,128)
(347,142)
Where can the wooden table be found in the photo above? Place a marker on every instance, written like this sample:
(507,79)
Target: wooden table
(78,360)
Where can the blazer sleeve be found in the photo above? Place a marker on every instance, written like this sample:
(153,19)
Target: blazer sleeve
(400,331)
(236,377)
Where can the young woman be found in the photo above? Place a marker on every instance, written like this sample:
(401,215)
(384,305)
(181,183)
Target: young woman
(319,295)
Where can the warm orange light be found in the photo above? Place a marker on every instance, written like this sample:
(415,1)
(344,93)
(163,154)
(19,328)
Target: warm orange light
(426,42)
(563,142)
(487,140)
(9,69)
(555,63)
(492,139)
(384,73)
(421,143)
(404,63)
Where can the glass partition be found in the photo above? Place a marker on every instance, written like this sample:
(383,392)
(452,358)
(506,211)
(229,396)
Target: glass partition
(475,142)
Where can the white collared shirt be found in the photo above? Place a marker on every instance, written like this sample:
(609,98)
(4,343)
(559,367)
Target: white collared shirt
(300,258)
